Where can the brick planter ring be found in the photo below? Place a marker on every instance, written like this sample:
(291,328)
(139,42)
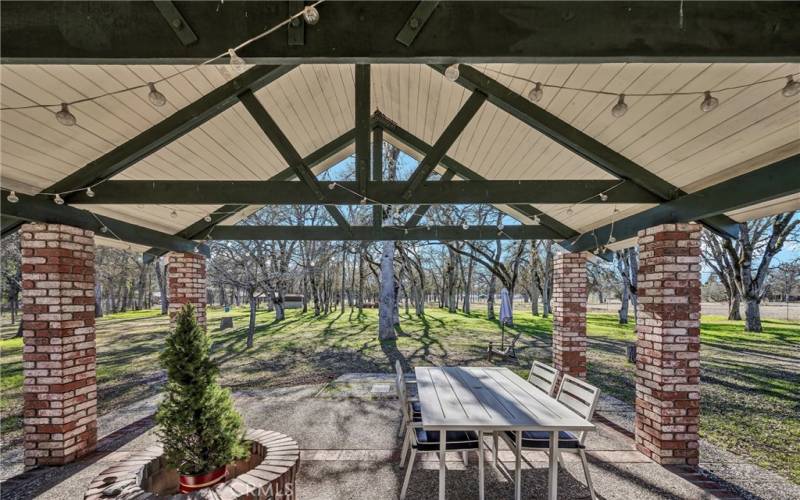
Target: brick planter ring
(270,473)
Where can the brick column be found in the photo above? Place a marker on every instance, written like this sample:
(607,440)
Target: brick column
(668,344)
(60,418)
(569,313)
(186,282)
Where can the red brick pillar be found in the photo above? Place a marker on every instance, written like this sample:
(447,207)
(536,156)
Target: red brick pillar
(668,344)
(569,313)
(60,419)
(186,282)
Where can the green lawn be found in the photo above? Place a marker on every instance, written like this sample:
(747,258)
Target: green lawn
(749,393)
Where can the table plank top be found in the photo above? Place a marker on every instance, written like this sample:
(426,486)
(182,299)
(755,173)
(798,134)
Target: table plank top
(477,398)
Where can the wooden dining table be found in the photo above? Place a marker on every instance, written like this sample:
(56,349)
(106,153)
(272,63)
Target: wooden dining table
(488,400)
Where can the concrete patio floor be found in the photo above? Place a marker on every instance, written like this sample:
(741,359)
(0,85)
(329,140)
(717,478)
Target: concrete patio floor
(349,450)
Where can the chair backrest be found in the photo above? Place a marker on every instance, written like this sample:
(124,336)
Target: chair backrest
(543,377)
(579,397)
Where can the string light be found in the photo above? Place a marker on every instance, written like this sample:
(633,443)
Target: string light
(709,102)
(65,117)
(611,239)
(157,99)
(311,15)
(465,226)
(500,226)
(103,229)
(452,73)
(207,218)
(363,201)
(620,108)
(332,186)
(89,192)
(536,93)
(792,87)
(236,63)
(536,220)
(58,200)
(603,197)
(12,197)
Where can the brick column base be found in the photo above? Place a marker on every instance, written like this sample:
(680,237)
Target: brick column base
(60,408)
(569,314)
(186,283)
(668,344)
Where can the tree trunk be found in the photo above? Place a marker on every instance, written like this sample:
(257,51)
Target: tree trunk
(98,302)
(161,277)
(490,299)
(734,305)
(251,328)
(623,308)
(752,316)
(386,306)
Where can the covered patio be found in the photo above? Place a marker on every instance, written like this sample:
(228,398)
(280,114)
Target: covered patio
(598,125)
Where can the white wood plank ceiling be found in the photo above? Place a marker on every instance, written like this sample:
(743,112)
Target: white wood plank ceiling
(314,104)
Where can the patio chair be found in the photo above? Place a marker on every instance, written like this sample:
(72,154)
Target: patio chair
(543,377)
(407,395)
(422,441)
(579,397)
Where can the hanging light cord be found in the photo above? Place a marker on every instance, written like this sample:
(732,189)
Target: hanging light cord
(634,94)
(168,77)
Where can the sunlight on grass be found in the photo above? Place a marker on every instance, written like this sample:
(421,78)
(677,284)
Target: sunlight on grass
(749,392)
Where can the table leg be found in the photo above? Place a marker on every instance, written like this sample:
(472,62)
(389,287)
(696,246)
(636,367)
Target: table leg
(518,467)
(552,483)
(442,453)
(480,465)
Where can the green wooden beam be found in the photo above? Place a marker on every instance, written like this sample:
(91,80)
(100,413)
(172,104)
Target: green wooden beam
(362,120)
(201,227)
(445,141)
(415,23)
(377,171)
(421,210)
(42,210)
(346,192)
(288,152)
(385,233)
(577,141)
(462,171)
(779,179)
(111,32)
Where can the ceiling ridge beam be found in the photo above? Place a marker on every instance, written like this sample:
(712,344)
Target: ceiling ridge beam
(578,141)
(45,211)
(461,170)
(777,180)
(444,142)
(288,152)
(362,124)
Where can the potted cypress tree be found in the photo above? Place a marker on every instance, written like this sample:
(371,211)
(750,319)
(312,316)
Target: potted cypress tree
(198,426)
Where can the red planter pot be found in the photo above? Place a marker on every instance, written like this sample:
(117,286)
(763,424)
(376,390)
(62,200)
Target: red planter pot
(189,484)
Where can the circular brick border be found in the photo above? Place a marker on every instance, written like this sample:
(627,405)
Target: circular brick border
(273,477)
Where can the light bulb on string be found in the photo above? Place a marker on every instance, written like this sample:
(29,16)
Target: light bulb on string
(103,229)
(611,239)
(12,197)
(709,102)
(500,226)
(237,63)
(603,197)
(311,15)
(363,201)
(332,186)
(792,87)
(89,192)
(536,220)
(65,116)
(536,93)
(465,226)
(156,98)
(620,108)
(173,214)
(405,231)
(452,72)
(207,218)
(58,200)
